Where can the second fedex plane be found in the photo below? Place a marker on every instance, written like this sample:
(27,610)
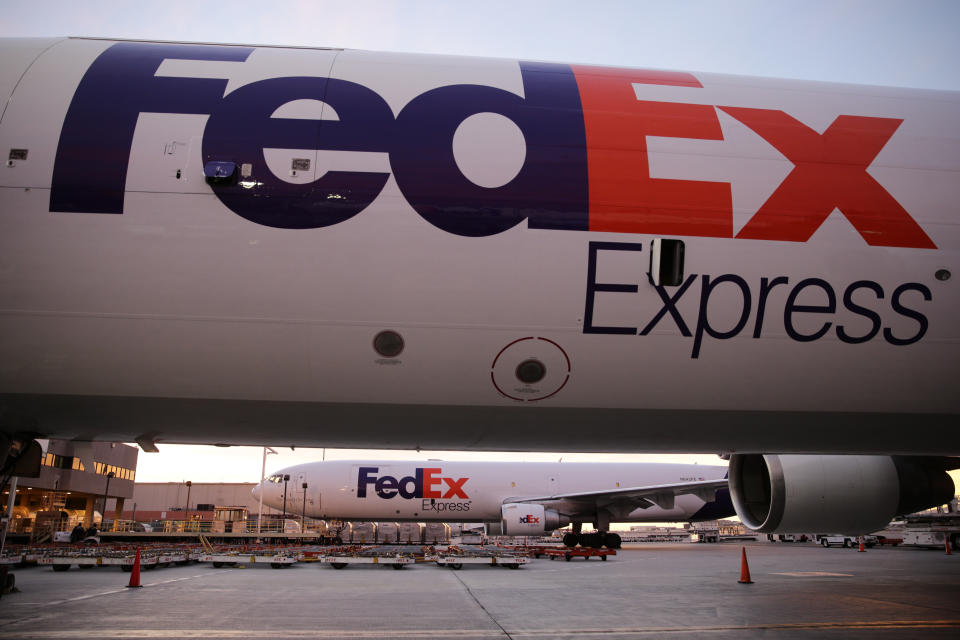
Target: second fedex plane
(529,498)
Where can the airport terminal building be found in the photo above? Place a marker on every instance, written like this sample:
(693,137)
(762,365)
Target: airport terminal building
(72,486)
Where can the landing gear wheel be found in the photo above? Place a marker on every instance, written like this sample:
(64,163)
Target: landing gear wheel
(611,541)
(338,565)
(571,539)
(592,540)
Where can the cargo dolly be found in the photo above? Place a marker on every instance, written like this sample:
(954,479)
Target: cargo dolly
(391,557)
(124,560)
(569,553)
(277,561)
(456,557)
(12,559)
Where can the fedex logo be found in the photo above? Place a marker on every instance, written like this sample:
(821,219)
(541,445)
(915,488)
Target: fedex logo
(529,520)
(586,164)
(424,483)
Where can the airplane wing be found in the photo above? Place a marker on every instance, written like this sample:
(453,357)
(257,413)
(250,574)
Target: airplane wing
(624,500)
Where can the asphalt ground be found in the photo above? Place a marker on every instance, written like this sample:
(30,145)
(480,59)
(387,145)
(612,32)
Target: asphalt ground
(648,591)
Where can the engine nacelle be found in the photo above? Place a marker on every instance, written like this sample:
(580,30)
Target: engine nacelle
(833,494)
(523,519)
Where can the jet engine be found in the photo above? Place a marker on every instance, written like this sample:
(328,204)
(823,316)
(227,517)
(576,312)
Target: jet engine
(522,519)
(834,494)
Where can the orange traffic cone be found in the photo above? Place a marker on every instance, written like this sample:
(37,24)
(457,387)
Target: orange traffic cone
(744,568)
(862,548)
(946,542)
(135,572)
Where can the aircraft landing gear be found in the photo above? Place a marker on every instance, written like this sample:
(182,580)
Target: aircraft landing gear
(596,540)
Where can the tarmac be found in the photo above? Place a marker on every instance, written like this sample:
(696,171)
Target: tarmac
(646,591)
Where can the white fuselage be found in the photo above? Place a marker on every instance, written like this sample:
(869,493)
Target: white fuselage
(467,491)
(201,243)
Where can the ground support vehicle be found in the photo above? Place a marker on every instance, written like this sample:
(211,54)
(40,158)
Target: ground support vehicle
(789,537)
(929,538)
(848,542)
(930,531)
(705,535)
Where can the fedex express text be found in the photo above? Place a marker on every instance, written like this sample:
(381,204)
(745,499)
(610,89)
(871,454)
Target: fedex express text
(865,298)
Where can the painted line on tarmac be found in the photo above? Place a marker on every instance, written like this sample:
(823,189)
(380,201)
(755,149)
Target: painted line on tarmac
(266,633)
(503,632)
(333,634)
(813,574)
(121,590)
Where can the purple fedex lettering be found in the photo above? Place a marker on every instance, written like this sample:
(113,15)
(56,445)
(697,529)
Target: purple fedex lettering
(419,485)
(388,486)
(90,169)
(367,475)
(550,192)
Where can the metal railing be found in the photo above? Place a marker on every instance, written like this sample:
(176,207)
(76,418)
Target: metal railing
(274,526)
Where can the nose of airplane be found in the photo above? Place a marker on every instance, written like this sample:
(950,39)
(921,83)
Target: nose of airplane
(256,491)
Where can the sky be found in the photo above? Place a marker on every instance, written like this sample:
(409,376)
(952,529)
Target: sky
(896,43)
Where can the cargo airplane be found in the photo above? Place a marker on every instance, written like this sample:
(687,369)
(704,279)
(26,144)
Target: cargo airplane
(230,244)
(513,498)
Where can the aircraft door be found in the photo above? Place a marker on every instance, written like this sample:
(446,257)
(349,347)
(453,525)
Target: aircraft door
(266,134)
(300,491)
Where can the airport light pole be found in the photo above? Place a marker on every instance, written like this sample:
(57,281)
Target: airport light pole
(187,509)
(283,525)
(303,511)
(103,514)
